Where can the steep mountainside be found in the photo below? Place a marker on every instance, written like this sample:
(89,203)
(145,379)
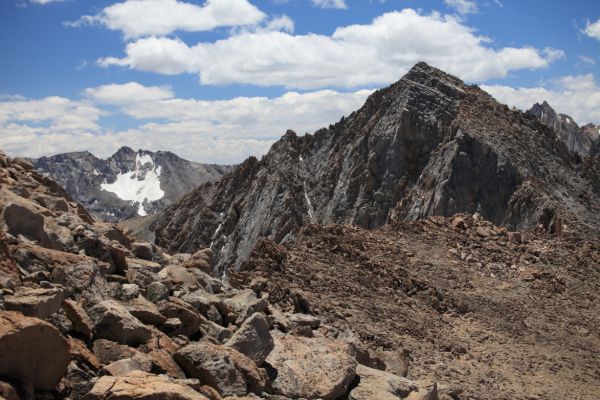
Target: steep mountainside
(427,145)
(128,183)
(578,139)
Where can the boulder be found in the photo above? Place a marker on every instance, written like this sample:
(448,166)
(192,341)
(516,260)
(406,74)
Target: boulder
(112,321)
(381,385)
(21,220)
(225,369)
(129,291)
(83,280)
(122,367)
(311,368)
(32,351)
(82,354)
(392,361)
(179,277)
(245,299)
(200,260)
(142,250)
(81,321)
(145,311)
(39,303)
(141,272)
(108,351)
(298,319)
(156,292)
(141,385)
(119,254)
(176,308)
(253,339)
(163,362)
(214,331)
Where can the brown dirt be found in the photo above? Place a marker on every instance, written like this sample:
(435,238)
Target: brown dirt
(500,320)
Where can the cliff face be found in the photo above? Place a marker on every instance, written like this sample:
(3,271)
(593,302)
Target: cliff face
(128,183)
(426,145)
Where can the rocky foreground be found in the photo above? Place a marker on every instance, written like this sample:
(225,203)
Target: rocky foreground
(88,313)
(485,312)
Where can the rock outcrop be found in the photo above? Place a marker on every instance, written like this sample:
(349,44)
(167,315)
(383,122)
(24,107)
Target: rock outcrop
(427,145)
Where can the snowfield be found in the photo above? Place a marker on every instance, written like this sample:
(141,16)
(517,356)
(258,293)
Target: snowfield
(139,185)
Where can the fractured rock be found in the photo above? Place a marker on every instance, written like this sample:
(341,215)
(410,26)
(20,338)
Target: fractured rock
(39,303)
(112,321)
(253,339)
(311,368)
(141,385)
(227,370)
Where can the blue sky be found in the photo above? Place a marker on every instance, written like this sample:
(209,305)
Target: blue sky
(219,80)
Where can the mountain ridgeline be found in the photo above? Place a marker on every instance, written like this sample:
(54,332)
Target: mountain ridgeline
(578,139)
(128,183)
(427,145)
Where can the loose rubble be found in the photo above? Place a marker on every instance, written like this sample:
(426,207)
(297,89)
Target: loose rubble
(88,312)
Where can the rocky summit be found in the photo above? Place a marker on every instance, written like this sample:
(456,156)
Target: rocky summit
(427,145)
(127,184)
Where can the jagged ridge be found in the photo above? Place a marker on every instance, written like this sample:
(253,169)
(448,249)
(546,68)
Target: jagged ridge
(426,145)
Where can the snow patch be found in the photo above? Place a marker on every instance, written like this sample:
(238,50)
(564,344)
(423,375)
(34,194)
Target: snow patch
(139,185)
(309,204)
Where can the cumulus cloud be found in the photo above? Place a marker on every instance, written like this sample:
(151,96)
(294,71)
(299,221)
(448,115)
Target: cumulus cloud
(220,131)
(355,55)
(340,4)
(462,7)
(127,93)
(58,113)
(593,30)
(577,96)
(137,18)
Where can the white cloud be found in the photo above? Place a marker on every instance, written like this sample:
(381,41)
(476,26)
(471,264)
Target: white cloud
(593,30)
(282,23)
(577,96)
(137,18)
(126,93)
(585,61)
(375,54)
(462,7)
(220,131)
(59,113)
(340,4)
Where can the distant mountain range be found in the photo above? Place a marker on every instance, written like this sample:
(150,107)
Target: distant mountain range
(127,184)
